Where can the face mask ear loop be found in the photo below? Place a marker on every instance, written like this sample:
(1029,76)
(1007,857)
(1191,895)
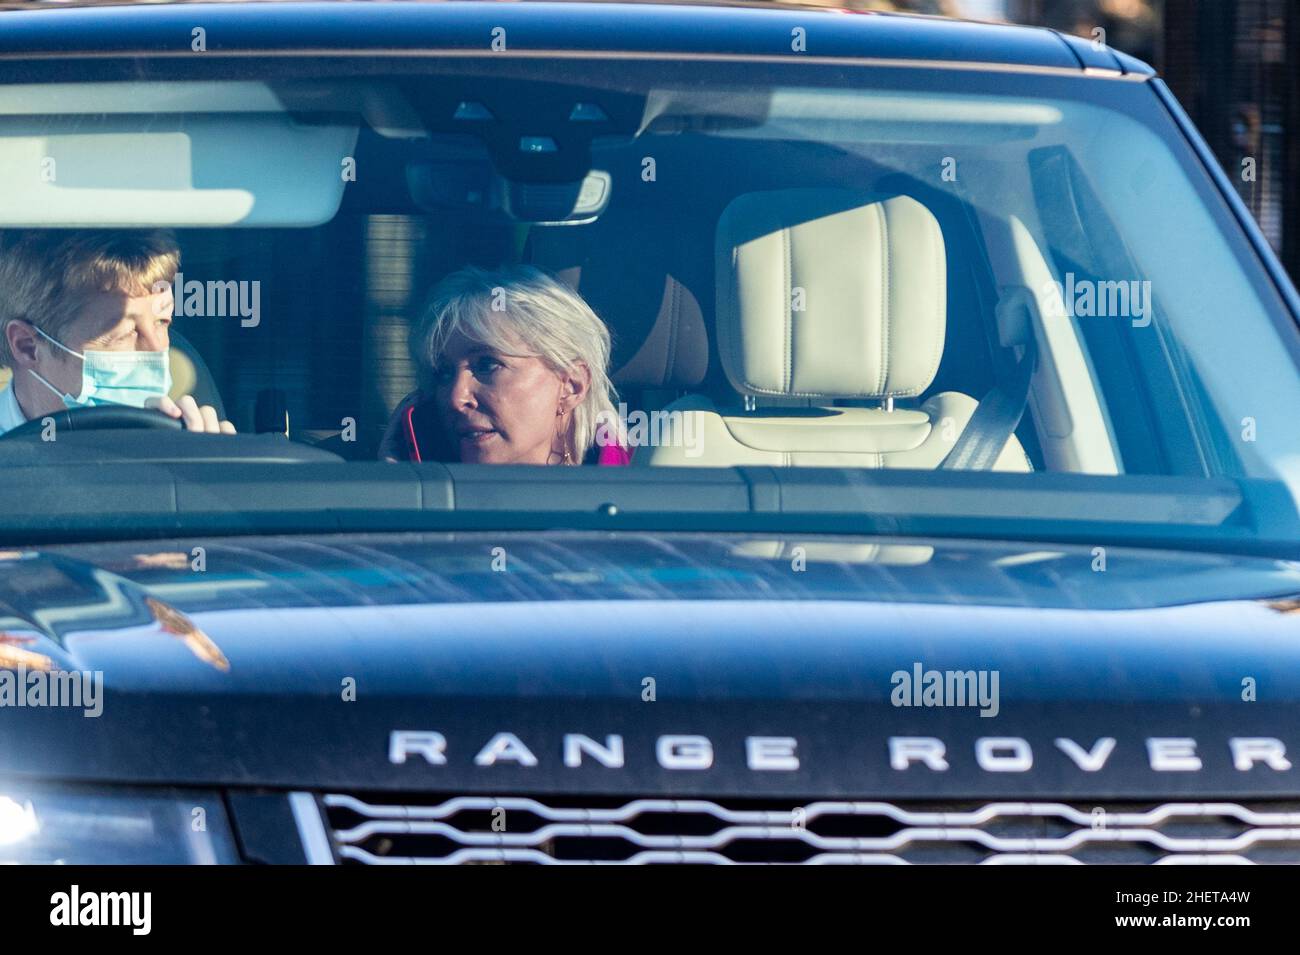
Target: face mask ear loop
(68,400)
(54,341)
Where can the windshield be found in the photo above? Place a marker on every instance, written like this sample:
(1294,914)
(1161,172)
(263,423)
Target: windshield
(960,294)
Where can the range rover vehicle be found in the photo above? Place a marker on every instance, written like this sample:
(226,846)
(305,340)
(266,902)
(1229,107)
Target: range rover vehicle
(960,392)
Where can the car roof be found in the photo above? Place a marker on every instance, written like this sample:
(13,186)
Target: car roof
(61,28)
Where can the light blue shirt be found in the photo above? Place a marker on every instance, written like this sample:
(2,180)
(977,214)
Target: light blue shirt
(11,416)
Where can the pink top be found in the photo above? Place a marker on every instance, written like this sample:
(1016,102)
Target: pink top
(614,456)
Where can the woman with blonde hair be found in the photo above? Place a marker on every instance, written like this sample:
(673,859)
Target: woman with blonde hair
(515,370)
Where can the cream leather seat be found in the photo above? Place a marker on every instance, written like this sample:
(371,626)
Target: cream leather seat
(826,294)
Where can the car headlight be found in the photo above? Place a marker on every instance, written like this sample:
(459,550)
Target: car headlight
(46,825)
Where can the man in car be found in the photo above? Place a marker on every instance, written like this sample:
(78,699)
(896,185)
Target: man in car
(84,319)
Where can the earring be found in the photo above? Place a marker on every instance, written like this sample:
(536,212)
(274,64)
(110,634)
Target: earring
(568,457)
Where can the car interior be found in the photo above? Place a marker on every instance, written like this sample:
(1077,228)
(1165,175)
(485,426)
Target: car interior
(793,283)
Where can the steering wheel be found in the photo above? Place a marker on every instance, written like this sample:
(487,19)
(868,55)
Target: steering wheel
(98,418)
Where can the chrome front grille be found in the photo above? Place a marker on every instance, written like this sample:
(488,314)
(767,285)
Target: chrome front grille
(450,830)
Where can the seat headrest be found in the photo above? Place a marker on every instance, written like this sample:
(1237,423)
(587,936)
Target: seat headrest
(830,293)
(657,326)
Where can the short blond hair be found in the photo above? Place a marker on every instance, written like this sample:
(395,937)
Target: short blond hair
(47,276)
(522,306)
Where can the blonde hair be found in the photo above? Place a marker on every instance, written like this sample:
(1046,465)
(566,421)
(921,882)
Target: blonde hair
(523,306)
(47,276)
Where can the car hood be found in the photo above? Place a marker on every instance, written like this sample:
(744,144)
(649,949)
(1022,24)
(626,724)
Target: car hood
(292,662)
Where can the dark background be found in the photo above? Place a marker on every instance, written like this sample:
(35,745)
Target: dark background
(1233,64)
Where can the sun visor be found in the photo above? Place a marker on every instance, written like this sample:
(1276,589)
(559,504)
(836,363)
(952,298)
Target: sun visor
(185,154)
(844,116)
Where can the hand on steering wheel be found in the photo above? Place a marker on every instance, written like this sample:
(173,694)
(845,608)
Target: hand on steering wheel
(195,417)
(102,417)
(162,414)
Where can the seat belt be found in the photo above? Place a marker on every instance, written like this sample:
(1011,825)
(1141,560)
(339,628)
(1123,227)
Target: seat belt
(995,420)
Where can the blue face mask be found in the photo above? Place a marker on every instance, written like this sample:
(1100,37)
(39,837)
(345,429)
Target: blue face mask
(115,377)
